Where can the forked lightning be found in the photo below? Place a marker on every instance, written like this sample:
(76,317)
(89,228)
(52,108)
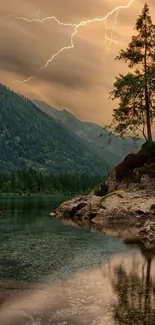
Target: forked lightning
(75,27)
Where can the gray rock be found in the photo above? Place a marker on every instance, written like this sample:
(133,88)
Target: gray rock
(130,199)
(120,209)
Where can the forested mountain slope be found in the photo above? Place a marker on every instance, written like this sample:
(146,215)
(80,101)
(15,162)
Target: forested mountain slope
(31,138)
(112,148)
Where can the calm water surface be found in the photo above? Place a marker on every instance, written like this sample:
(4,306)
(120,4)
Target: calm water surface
(35,245)
(55,274)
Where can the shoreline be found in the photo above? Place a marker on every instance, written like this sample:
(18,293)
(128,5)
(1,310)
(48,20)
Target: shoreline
(16,195)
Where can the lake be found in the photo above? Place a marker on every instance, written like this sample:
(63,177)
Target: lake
(52,273)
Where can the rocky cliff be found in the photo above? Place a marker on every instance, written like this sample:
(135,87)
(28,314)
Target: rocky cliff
(123,202)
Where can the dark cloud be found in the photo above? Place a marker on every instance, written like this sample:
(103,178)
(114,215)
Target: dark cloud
(79,79)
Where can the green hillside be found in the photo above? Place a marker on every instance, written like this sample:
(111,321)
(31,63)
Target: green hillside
(30,138)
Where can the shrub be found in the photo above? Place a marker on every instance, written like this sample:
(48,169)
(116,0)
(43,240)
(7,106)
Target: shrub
(148,147)
(101,189)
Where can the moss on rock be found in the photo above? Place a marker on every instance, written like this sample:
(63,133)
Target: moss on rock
(100,190)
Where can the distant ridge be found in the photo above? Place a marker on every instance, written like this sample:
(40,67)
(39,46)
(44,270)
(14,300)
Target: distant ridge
(112,148)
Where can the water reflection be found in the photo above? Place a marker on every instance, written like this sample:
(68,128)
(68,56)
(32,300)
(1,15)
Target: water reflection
(20,211)
(88,284)
(119,292)
(135,290)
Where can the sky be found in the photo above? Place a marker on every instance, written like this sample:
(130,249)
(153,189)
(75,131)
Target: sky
(79,79)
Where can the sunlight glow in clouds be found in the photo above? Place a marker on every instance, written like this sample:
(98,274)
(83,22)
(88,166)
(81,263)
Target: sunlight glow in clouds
(75,27)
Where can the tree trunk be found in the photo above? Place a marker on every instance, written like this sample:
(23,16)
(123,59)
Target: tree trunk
(148,123)
(147,102)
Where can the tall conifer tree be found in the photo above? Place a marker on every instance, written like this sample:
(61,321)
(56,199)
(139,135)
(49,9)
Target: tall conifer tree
(136,90)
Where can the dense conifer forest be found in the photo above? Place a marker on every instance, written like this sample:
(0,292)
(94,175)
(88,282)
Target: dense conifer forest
(29,182)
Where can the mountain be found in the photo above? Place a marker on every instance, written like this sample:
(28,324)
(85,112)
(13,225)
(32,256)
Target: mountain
(29,137)
(111,147)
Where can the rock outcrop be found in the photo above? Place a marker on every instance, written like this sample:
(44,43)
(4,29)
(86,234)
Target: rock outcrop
(117,210)
(136,172)
(125,200)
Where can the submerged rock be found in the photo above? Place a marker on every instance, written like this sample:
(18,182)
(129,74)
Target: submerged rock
(52,214)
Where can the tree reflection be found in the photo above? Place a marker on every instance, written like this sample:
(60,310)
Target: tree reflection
(135,295)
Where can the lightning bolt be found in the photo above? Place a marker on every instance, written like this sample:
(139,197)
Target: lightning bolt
(106,38)
(110,39)
(75,30)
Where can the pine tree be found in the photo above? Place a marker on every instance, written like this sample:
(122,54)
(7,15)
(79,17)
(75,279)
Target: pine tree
(136,90)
